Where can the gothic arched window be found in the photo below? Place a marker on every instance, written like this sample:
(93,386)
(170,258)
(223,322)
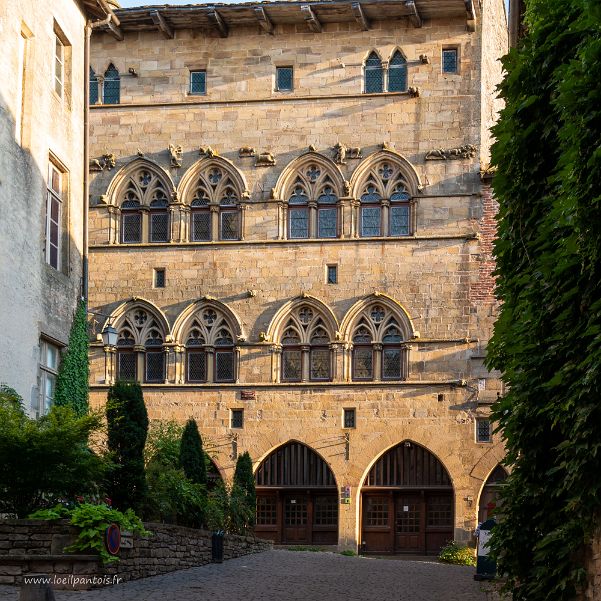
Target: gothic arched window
(379,352)
(312,203)
(93,87)
(144,190)
(140,351)
(111,88)
(397,73)
(305,341)
(373,74)
(215,204)
(210,354)
(384,202)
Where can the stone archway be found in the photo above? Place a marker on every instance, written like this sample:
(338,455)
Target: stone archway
(489,496)
(297,499)
(406,503)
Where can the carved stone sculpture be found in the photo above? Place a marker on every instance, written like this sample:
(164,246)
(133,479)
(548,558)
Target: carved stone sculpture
(207,151)
(107,161)
(467,151)
(246,151)
(413,92)
(340,154)
(265,159)
(175,155)
(354,152)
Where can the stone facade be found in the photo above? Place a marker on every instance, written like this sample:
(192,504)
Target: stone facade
(41,124)
(435,278)
(33,546)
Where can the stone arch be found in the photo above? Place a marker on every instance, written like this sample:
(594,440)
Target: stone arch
(406,171)
(124,177)
(197,172)
(353,315)
(291,171)
(183,320)
(280,319)
(407,501)
(488,493)
(118,316)
(297,496)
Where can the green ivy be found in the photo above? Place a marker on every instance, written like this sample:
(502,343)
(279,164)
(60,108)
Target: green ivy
(92,522)
(547,340)
(72,382)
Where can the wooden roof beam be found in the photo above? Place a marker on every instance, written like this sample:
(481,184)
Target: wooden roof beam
(414,17)
(471,15)
(311,19)
(115,31)
(264,20)
(217,22)
(162,25)
(360,16)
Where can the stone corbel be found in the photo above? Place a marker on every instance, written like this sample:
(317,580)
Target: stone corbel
(106,161)
(246,151)
(265,159)
(467,151)
(207,151)
(175,156)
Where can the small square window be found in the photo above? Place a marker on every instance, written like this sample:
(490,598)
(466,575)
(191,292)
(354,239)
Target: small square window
(284,79)
(198,82)
(483,430)
(237,418)
(450,62)
(349,418)
(332,274)
(159,278)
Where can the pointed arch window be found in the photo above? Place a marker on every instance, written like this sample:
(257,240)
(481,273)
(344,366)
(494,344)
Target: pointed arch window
(93,87)
(385,202)
(144,207)
(140,347)
(379,349)
(373,74)
(397,73)
(313,203)
(306,353)
(215,205)
(111,87)
(210,352)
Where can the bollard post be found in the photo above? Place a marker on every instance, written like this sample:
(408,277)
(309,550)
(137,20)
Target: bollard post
(217,547)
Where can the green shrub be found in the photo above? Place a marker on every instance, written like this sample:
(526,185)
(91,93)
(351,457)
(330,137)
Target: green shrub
(243,494)
(127,423)
(191,456)
(457,554)
(45,460)
(348,553)
(92,522)
(10,396)
(72,382)
(163,443)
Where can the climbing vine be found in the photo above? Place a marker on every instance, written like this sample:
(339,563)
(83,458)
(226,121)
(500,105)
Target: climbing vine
(72,382)
(547,340)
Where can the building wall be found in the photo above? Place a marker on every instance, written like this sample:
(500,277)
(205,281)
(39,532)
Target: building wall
(441,275)
(38,300)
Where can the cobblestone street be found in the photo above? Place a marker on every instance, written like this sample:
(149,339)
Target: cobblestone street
(294,576)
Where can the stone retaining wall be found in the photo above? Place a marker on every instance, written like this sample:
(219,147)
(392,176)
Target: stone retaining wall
(34,546)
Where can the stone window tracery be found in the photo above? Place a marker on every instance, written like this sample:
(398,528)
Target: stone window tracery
(210,353)
(385,202)
(141,355)
(397,73)
(144,191)
(111,87)
(215,206)
(312,204)
(373,74)
(305,342)
(379,350)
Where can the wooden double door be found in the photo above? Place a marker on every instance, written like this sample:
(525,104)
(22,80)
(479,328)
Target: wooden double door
(416,522)
(295,517)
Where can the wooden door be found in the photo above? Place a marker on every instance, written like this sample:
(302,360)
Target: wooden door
(377,535)
(409,526)
(296,519)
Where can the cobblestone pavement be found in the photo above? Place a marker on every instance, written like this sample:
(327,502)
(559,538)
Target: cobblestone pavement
(281,575)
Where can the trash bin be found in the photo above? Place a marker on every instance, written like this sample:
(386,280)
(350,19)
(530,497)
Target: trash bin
(217,547)
(486,568)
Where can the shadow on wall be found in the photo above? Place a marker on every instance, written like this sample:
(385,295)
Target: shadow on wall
(36,299)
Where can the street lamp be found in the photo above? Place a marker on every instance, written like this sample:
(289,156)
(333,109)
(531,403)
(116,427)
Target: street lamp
(109,336)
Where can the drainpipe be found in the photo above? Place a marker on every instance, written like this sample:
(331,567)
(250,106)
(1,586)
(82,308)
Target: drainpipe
(90,25)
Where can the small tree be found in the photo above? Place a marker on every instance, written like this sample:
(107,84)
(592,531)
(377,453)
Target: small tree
(243,490)
(72,382)
(127,422)
(191,455)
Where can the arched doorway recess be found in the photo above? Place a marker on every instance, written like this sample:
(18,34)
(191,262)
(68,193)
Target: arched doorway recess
(297,499)
(406,503)
(489,497)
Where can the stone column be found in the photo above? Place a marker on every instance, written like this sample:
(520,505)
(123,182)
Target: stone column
(282,220)
(305,363)
(214,209)
(114,214)
(145,211)
(140,363)
(179,365)
(312,219)
(210,350)
(243,208)
(385,225)
(355,208)
(237,364)
(276,361)
(110,352)
(377,367)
